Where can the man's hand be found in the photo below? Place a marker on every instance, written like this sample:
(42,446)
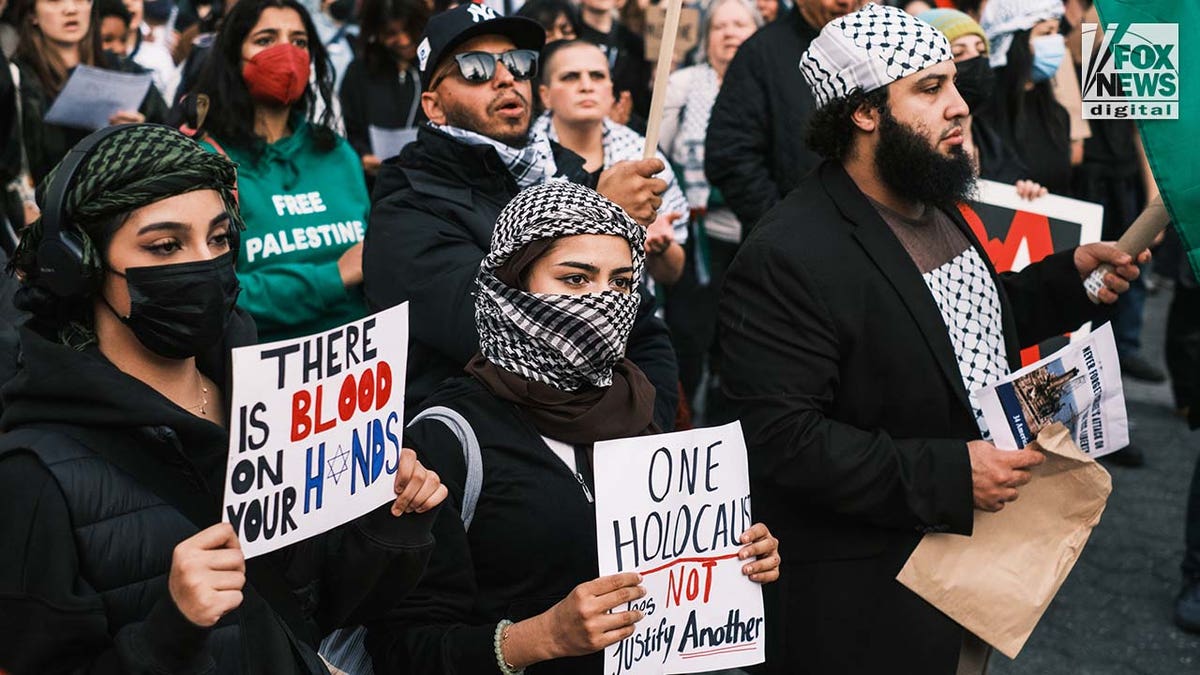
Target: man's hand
(996,474)
(1090,256)
(633,187)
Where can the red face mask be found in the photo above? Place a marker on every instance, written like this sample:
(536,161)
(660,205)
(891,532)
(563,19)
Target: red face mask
(277,74)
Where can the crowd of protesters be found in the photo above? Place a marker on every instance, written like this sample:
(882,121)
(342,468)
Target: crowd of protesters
(791,257)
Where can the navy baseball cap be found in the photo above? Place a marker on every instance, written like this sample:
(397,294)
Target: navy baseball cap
(451,28)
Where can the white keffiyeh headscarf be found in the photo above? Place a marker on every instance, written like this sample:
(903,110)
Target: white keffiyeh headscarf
(870,49)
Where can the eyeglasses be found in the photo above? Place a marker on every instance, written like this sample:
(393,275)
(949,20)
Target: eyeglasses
(480,67)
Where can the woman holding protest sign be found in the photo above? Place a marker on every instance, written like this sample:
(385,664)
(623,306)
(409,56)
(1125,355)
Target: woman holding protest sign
(300,186)
(513,581)
(113,457)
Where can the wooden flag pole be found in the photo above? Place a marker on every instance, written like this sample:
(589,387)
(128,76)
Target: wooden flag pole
(1136,239)
(662,75)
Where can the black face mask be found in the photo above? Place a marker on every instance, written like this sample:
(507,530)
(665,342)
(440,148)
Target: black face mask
(178,311)
(976,82)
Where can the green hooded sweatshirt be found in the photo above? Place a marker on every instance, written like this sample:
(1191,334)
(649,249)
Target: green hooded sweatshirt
(303,209)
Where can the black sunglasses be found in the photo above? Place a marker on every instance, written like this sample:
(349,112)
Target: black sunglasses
(480,67)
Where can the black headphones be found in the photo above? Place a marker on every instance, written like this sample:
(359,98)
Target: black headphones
(60,253)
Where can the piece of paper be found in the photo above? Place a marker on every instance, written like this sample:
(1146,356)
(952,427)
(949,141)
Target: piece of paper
(672,508)
(1016,232)
(315,429)
(93,95)
(1078,386)
(998,582)
(387,143)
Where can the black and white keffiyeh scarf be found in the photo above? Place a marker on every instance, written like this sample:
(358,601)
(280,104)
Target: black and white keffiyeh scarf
(870,49)
(529,165)
(565,341)
(687,148)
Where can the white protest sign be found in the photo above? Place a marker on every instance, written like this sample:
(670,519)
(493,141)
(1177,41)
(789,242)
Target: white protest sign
(315,430)
(672,507)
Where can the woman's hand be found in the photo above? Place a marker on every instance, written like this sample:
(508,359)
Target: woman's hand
(371,164)
(661,233)
(126,117)
(207,574)
(761,545)
(350,266)
(579,624)
(417,489)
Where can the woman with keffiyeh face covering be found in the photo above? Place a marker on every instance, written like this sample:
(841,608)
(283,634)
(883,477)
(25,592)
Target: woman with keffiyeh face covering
(513,580)
(113,456)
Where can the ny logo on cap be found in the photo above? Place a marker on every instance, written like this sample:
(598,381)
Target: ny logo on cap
(481,12)
(423,53)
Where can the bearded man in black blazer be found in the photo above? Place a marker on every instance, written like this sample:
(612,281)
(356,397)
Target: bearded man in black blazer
(855,321)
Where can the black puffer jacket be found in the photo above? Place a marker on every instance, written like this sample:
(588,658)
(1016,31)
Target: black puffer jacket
(90,521)
(755,151)
(432,215)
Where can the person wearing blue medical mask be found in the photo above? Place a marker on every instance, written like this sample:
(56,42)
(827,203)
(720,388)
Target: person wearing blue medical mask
(1048,47)
(1026,51)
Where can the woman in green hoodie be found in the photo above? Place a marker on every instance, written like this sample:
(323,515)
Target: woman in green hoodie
(300,185)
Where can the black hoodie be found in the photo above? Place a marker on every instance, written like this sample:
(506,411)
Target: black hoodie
(60,608)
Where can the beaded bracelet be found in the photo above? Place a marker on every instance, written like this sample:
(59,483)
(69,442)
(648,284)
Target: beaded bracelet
(498,640)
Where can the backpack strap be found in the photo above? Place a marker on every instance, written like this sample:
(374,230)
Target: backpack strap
(461,428)
(345,648)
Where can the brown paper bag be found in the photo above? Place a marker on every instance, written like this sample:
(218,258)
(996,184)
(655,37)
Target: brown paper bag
(998,582)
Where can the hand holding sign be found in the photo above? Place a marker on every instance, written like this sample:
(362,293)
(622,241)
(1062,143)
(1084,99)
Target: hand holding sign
(581,624)
(761,545)
(417,489)
(1115,267)
(208,572)
(632,186)
(578,624)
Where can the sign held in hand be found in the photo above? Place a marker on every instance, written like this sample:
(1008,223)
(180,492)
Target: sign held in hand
(673,507)
(315,430)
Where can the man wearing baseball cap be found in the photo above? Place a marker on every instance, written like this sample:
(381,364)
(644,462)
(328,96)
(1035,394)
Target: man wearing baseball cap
(435,204)
(856,320)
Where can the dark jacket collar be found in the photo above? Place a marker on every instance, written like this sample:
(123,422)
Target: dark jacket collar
(889,255)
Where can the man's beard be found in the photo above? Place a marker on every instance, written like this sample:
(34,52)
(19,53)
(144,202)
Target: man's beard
(915,170)
(513,136)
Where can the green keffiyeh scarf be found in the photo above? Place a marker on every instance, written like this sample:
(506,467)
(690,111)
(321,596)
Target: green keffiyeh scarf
(138,165)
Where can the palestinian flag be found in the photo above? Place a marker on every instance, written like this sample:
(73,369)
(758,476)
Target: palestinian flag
(1170,143)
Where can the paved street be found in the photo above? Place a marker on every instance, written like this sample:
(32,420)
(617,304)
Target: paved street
(1113,614)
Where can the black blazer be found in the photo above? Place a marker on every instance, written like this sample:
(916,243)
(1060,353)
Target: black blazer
(838,363)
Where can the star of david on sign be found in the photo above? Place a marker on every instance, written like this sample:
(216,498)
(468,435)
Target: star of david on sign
(481,12)
(342,459)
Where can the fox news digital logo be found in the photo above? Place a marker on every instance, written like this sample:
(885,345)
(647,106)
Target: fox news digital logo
(1133,72)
